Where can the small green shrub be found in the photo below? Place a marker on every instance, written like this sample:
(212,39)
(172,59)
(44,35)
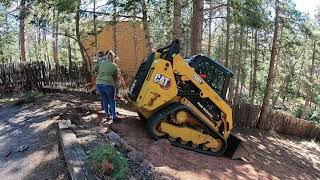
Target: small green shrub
(32,95)
(106,153)
(298,111)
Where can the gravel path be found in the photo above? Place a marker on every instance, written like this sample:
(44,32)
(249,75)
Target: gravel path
(30,125)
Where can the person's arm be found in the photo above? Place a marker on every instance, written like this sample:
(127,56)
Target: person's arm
(116,74)
(94,70)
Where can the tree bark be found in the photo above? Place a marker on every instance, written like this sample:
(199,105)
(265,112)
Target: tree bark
(234,56)
(94,29)
(69,55)
(47,58)
(239,66)
(226,63)
(268,89)
(209,34)
(55,38)
(177,19)
(146,26)
(135,41)
(301,69)
(23,56)
(255,66)
(196,26)
(114,27)
(309,87)
(85,61)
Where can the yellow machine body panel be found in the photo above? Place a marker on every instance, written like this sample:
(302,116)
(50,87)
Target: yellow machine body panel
(159,87)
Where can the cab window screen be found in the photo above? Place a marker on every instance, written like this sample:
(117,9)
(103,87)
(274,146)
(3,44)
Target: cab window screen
(214,77)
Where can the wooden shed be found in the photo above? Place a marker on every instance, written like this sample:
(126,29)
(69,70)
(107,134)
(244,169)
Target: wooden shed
(130,45)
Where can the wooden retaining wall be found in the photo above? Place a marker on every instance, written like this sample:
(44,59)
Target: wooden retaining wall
(246,115)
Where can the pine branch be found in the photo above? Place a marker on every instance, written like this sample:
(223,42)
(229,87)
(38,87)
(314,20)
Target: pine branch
(110,14)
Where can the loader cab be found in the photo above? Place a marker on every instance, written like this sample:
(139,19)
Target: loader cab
(212,72)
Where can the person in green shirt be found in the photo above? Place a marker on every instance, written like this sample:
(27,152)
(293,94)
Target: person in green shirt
(107,74)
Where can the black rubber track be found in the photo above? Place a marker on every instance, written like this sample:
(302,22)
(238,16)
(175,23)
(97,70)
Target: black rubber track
(160,115)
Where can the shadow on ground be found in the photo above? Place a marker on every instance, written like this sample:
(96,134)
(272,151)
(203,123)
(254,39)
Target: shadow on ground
(31,125)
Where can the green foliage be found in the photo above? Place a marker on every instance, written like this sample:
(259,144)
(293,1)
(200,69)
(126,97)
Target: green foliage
(298,111)
(311,114)
(107,152)
(249,13)
(32,96)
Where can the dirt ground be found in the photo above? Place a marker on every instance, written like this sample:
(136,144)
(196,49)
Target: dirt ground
(275,157)
(31,125)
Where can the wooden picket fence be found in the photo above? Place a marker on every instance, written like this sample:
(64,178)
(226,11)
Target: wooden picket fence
(40,74)
(246,115)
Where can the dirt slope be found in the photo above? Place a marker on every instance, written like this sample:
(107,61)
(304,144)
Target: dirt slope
(275,157)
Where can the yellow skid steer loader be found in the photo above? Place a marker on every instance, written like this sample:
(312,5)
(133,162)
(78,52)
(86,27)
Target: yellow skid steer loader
(183,100)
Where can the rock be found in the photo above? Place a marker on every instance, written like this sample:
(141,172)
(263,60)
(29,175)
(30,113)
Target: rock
(113,137)
(139,168)
(135,156)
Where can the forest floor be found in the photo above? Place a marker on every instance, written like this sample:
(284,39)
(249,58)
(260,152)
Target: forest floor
(274,156)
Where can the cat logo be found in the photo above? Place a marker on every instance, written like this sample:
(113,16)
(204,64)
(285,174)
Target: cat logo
(163,81)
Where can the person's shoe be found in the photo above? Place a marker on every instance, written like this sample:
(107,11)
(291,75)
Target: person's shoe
(116,120)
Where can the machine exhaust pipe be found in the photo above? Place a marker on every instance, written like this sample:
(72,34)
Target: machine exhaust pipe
(237,149)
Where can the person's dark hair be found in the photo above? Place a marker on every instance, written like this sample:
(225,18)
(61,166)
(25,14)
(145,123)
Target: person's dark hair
(101,54)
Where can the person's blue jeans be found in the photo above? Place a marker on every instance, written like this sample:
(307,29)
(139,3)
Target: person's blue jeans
(107,93)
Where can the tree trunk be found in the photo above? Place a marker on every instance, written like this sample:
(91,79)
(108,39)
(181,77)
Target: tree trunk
(55,38)
(300,71)
(226,63)
(255,66)
(69,55)
(85,61)
(177,19)
(135,41)
(268,89)
(47,58)
(209,26)
(276,74)
(196,26)
(114,27)
(94,30)
(239,66)
(231,95)
(146,26)
(309,87)
(22,17)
